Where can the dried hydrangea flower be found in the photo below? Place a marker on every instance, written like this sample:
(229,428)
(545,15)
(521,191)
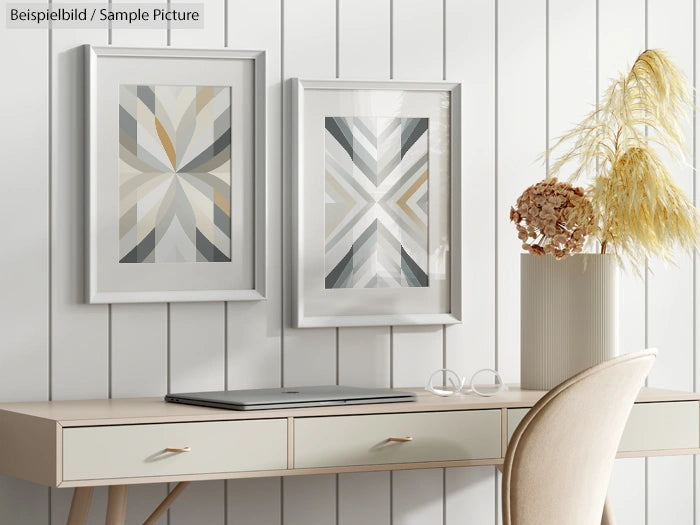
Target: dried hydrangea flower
(553,218)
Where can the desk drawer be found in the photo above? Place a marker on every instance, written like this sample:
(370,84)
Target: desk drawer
(131,451)
(661,426)
(363,440)
(651,426)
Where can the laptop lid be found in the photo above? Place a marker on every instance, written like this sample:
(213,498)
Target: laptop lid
(308,396)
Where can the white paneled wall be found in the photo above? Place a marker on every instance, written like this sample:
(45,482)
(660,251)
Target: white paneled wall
(671,301)
(530,69)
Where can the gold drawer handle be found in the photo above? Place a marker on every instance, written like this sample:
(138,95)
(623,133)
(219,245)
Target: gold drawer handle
(183,449)
(401,440)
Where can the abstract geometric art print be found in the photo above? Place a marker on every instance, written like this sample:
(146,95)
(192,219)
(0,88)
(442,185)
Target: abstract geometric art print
(174,174)
(376,202)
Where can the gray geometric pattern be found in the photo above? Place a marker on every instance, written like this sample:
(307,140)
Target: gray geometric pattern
(376,211)
(174,174)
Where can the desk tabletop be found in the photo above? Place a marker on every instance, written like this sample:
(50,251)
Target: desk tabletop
(155,410)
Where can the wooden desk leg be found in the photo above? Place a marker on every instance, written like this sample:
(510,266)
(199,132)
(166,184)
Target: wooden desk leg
(167,502)
(116,505)
(82,496)
(608,516)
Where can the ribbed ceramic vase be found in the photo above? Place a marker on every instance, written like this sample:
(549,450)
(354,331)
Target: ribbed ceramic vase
(569,311)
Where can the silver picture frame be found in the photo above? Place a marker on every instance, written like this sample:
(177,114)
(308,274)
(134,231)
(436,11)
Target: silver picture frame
(330,291)
(236,275)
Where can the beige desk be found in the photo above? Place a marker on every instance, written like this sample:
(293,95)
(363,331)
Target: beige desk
(120,442)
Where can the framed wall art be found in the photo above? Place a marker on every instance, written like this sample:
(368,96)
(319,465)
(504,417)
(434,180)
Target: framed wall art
(377,208)
(176,175)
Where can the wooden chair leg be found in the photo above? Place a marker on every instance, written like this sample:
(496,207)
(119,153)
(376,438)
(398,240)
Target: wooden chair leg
(79,508)
(167,502)
(608,515)
(116,505)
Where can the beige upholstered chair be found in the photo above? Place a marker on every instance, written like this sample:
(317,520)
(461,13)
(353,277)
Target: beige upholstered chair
(558,464)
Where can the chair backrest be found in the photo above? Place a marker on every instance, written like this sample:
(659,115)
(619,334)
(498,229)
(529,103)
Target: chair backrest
(558,463)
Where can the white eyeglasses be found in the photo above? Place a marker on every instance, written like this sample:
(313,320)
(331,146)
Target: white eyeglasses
(485,382)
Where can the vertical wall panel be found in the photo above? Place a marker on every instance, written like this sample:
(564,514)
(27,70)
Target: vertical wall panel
(363,356)
(418,54)
(469,495)
(470,34)
(364,39)
(417,497)
(202,502)
(197,329)
(670,307)
(143,500)
(24,278)
(670,26)
(364,497)
(254,501)
(572,65)
(139,350)
(627,491)
(621,37)
(25,271)
(197,363)
(60,506)
(197,345)
(364,30)
(670,490)
(364,33)
(418,41)
(139,332)
(79,331)
(309,500)
(211,35)
(310,353)
(254,328)
(521,139)
(417,353)
(309,52)
(155,37)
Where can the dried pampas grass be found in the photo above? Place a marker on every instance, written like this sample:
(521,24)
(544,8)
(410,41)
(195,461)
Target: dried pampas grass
(638,210)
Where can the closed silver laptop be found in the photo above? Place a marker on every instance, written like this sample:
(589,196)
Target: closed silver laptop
(307,396)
